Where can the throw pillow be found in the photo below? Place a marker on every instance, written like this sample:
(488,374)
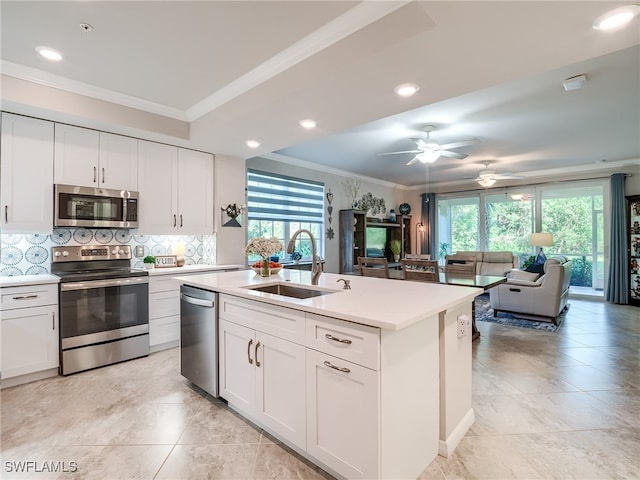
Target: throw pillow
(522,275)
(535,268)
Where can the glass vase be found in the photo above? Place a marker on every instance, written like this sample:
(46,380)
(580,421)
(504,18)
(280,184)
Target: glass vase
(265,271)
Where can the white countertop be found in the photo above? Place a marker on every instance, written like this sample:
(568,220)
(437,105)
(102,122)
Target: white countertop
(191,269)
(21,280)
(389,304)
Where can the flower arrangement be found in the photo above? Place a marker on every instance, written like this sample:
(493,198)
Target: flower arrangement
(232,210)
(265,247)
(351,187)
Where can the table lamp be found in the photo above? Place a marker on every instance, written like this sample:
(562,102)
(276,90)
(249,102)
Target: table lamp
(541,240)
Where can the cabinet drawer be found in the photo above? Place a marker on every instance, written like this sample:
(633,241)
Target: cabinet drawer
(28,296)
(164,330)
(350,341)
(164,304)
(163,283)
(280,322)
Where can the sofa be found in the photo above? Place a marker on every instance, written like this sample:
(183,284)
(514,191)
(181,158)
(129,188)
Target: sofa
(493,263)
(531,294)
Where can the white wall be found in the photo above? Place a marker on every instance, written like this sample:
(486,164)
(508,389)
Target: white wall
(632,183)
(230,187)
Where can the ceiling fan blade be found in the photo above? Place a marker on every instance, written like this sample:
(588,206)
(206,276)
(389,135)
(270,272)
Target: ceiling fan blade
(507,176)
(403,151)
(464,143)
(413,160)
(447,153)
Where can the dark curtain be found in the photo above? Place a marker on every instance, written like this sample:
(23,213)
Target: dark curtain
(427,240)
(618,283)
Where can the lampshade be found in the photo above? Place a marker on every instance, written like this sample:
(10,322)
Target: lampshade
(487,181)
(428,156)
(541,239)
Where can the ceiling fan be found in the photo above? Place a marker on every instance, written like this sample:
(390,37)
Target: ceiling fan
(428,150)
(488,177)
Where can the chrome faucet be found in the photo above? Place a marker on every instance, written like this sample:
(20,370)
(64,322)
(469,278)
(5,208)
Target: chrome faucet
(316,268)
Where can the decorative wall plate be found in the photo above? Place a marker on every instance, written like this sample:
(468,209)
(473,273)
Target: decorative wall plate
(404,208)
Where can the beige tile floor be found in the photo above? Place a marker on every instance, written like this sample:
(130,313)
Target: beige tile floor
(559,405)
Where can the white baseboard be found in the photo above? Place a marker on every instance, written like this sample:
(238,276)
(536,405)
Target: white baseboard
(29,377)
(446,448)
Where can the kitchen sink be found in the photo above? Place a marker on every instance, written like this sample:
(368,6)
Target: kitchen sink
(287,290)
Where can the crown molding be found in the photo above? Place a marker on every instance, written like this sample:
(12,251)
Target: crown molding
(322,168)
(349,22)
(47,79)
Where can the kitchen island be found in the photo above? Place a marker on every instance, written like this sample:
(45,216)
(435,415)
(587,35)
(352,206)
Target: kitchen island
(369,382)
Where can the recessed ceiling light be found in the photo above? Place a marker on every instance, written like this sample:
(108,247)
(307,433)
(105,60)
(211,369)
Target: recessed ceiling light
(406,89)
(616,18)
(252,144)
(49,53)
(307,124)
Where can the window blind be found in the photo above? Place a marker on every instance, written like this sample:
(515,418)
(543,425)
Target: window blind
(277,197)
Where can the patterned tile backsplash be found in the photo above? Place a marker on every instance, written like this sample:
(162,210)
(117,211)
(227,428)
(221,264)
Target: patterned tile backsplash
(30,254)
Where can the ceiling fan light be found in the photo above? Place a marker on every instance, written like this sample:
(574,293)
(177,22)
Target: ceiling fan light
(616,18)
(487,181)
(517,196)
(428,156)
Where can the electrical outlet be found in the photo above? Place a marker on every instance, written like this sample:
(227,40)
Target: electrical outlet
(464,324)
(139,251)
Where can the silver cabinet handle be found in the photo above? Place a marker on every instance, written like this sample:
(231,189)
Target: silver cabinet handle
(6,214)
(25,297)
(175,220)
(180,220)
(249,352)
(102,174)
(336,339)
(53,320)
(340,369)
(95,173)
(255,353)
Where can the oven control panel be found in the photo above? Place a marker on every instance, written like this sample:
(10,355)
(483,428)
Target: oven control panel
(81,253)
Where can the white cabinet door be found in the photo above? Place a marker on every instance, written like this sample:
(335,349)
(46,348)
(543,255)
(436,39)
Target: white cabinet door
(195,192)
(118,162)
(280,367)
(29,340)
(343,415)
(26,175)
(237,366)
(76,156)
(157,180)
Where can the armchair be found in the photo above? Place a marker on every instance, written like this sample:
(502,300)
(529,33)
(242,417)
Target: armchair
(544,297)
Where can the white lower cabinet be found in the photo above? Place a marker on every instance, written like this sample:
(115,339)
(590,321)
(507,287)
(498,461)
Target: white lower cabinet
(263,376)
(359,401)
(29,330)
(343,428)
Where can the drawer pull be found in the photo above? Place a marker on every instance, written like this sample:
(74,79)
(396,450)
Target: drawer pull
(174,220)
(255,354)
(24,297)
(249,352)
(102,174)
(94,174)
(53,321)
(6,214)
(340,369)
(336,339)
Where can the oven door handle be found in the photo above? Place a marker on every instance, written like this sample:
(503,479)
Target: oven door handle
(115,282)
(197,301)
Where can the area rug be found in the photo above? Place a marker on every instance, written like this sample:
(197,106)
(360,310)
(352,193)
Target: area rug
(484,313)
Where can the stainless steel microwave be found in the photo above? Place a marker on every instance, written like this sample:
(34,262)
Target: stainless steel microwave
(95,207)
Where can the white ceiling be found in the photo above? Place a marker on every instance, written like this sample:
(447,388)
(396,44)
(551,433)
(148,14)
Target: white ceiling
(238,70)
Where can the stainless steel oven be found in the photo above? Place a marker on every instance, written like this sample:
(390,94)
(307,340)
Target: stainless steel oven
(104,306)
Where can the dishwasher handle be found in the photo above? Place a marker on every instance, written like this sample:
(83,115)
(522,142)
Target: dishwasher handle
(197,301)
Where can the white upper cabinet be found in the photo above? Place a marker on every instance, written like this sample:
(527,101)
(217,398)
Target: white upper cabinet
(26,175)
(95,159)
(176,190)
(118,165)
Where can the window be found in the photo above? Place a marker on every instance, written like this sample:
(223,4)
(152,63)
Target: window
(278,206)
(573,212)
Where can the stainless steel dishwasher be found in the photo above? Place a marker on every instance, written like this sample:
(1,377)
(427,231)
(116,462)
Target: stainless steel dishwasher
(199,338)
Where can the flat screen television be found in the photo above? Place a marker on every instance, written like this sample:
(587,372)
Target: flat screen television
(376,239)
